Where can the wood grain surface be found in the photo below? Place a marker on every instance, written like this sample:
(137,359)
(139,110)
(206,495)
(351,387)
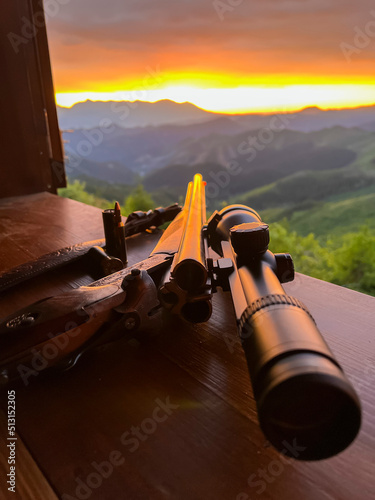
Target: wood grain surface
(172,417)
(30,482)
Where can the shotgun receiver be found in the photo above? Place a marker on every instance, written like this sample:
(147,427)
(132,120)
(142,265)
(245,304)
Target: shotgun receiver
(300,389)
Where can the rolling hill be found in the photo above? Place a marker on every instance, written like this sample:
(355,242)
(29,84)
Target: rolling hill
(303,172)
(329,219)
(147,151)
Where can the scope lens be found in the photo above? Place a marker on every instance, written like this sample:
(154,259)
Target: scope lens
(307,408)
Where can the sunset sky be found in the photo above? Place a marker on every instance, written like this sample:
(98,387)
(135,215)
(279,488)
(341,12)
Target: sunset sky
(230,55)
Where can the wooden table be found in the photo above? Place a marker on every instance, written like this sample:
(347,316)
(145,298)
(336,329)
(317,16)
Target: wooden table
(174,417)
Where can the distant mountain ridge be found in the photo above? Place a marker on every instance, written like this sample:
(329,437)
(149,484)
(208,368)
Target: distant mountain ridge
(91,114)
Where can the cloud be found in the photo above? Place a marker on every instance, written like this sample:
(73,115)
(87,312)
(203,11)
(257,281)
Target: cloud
(257,36)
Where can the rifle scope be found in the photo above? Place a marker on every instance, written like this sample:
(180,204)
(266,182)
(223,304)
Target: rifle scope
(302,395)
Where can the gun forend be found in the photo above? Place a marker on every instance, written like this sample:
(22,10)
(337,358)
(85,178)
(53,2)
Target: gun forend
(301,391)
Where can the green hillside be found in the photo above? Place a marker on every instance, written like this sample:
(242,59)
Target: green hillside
(328,219)
(316,189)
(305,187)
(354,139)
(327,203)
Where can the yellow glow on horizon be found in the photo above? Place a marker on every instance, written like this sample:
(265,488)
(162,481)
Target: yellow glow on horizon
(243,99)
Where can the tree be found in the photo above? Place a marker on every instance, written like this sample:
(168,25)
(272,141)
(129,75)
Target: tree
(139,199)
(76,191)
(354,261)
(309,256)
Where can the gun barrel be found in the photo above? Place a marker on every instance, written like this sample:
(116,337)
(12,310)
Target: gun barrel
(186,289)
(189,265)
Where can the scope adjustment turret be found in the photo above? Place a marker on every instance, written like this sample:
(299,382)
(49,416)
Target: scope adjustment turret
(250,238)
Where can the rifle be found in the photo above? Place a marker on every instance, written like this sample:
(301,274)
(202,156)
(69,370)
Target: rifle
(301,392)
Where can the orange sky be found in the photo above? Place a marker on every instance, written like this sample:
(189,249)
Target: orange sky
(260,55)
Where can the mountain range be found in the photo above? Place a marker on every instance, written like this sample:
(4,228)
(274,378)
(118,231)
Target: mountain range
(292,143)
(316,168)
(91,114)
(125,114)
